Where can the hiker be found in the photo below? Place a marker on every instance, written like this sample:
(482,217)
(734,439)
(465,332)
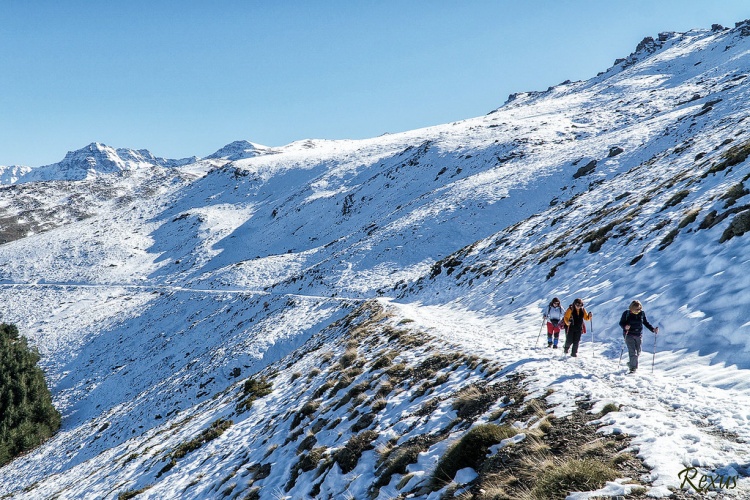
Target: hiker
(553,314)
(632,322)
(574,326)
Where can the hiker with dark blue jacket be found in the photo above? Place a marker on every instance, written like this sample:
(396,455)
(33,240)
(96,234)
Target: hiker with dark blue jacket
(632,323)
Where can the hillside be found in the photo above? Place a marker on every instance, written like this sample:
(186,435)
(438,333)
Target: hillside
(327,319)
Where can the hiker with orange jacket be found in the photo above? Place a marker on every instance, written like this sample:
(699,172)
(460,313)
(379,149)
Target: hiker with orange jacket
(573,319)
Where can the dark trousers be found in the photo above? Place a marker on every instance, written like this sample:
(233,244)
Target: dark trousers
(634,350)
(572,338)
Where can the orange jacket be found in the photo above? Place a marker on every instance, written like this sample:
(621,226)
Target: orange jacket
(567,318)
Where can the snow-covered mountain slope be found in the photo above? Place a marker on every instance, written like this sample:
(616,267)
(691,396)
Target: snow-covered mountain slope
(156,290)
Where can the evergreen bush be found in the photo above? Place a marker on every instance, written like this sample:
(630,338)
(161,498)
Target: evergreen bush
(27,417)
(253,389)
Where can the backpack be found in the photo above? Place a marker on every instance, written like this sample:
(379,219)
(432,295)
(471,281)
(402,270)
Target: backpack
(627,319)
(627,315)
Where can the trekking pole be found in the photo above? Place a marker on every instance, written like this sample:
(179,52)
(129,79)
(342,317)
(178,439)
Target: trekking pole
(544,320)
(653,357)
(622,349)
(591,324)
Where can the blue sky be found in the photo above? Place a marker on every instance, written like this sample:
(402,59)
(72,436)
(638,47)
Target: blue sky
(184,78)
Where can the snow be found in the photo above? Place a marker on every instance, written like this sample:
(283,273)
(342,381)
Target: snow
(153,288)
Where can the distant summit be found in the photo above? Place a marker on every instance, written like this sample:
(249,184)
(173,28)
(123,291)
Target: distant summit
(10,175)
(240,150)
(90,161)
(94,158)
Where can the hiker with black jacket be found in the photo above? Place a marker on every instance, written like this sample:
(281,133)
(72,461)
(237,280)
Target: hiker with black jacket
(632,323)
(574,327)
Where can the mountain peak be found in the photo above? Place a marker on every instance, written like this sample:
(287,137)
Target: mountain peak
(96,157)
(239,150)
(92,160)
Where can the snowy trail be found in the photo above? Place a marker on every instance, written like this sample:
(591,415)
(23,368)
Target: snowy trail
(686,413)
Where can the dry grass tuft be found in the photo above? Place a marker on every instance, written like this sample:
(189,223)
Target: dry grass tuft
(470,451)
(558,481)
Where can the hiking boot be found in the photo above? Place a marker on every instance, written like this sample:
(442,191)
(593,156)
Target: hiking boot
(549,344)
(554,346)
(573,355)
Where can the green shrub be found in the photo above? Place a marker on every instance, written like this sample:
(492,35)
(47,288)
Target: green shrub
(399,372)
(710,220)
(473,400)
(348,456)
(609,408)
(676,199)
(126,495)
(257,388)
(215,430)
(379,404)
(398,458)
(739,226)
(348,358)
(668,239)
(310,460)
(253,389)
(469,402)
(689,218)
(323,388)
(384,361)
(307,409)
(27,417)
(733,156)
(573,475)
(735,193)
(253,494)
(364,422)
(599,236)
(470,451)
